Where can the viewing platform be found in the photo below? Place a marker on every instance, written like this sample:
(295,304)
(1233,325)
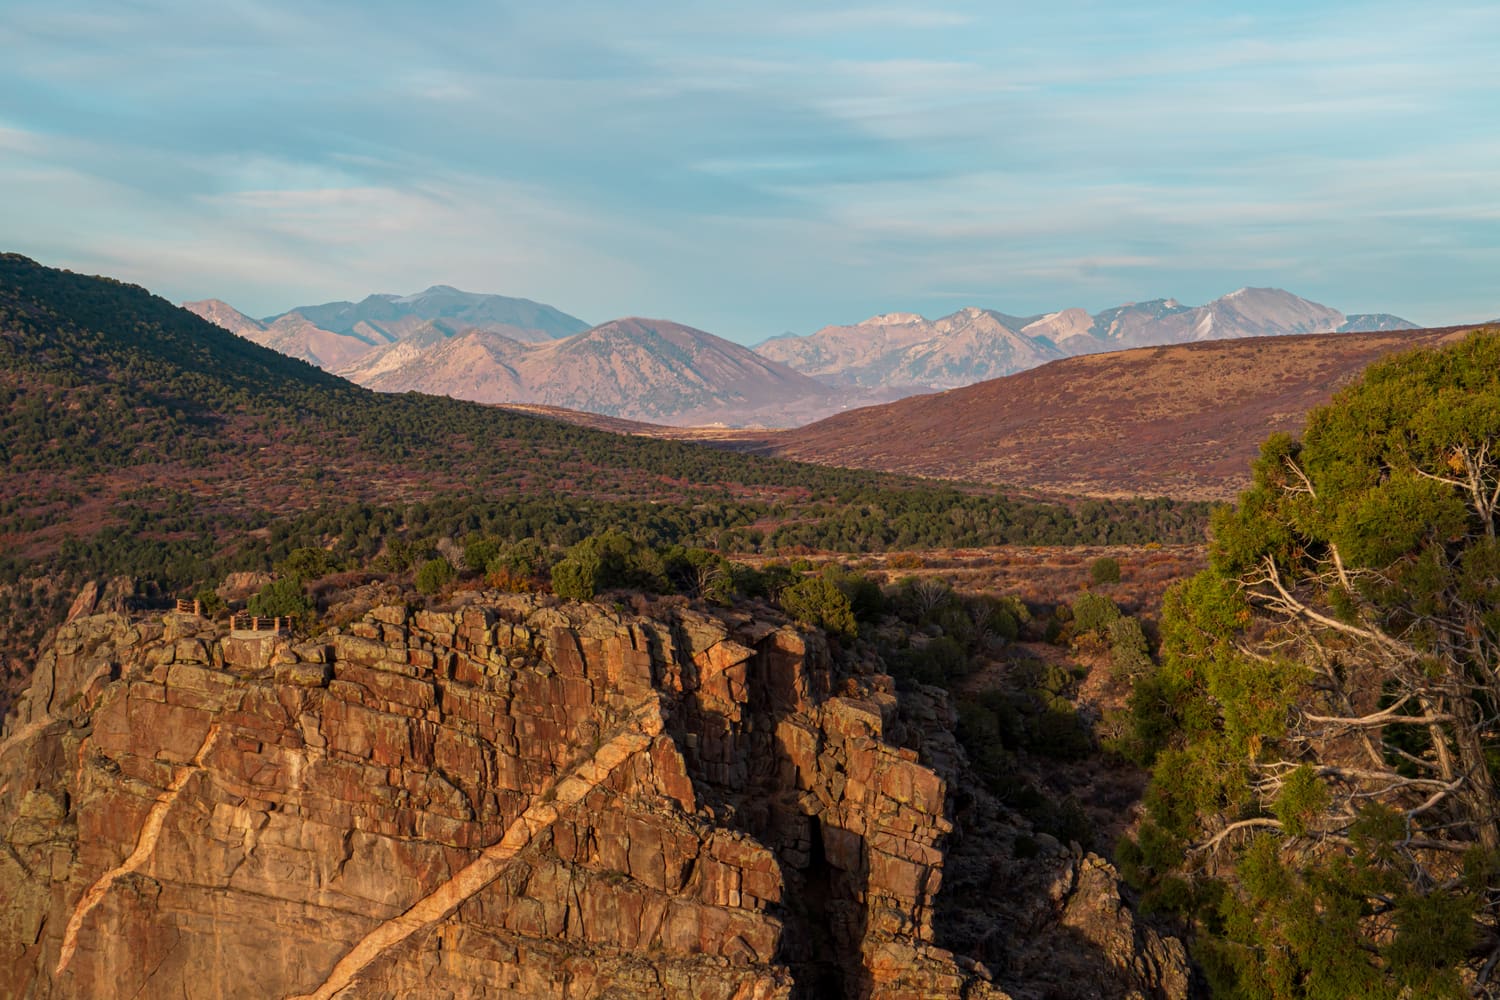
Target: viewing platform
(242,626)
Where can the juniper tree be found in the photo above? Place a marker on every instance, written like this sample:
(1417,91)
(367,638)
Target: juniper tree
(1325,796)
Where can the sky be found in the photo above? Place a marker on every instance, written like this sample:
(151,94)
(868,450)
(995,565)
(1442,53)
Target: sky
(753,169)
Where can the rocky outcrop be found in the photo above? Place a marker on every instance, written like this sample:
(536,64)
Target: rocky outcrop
(507,800)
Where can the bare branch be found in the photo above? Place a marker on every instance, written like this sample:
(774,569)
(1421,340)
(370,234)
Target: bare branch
(1445,480)
(1432,802)
(1333,550)
(1376,719)
(1393,780)
(1264,822)
(1298,608)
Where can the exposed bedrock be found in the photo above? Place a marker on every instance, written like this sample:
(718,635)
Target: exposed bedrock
(506,800)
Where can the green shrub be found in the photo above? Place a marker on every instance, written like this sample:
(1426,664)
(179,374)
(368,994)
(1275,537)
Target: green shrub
(607,561)
(210,602)
(939,660)
(434,575)
(767,582)
(1060,733)
(699,573)
(981,734)
(281,598)
(479,553)
(818,601)
(1093,613)
(866,599)
(1129,653)
(576,577)
(521,560)
(1105,570)
(307,563)
(998,617)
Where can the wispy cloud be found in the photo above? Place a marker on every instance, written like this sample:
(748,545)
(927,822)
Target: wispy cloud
(757,168)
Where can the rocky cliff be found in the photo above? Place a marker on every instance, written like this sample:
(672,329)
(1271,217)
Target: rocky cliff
(514,798)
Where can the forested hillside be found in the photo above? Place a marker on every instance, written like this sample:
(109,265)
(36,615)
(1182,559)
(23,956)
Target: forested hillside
(140,440)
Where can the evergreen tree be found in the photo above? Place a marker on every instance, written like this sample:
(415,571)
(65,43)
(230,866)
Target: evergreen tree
(1324,798)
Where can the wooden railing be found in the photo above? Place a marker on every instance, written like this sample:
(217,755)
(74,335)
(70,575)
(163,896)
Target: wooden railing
(189,607)
(255,623)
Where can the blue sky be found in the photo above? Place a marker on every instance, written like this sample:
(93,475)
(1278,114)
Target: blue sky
(757,168)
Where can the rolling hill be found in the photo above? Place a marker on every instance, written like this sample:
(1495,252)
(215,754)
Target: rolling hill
(1181,421)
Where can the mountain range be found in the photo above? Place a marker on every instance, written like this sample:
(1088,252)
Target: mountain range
(905,350)
(641,369)
(495,349)
(336,334)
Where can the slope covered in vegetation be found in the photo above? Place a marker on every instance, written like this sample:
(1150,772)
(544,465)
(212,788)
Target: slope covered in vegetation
(140,440)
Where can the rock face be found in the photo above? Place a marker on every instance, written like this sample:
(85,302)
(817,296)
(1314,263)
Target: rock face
(506,800)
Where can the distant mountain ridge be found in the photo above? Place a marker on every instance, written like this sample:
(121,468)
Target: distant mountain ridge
(336,334)
(523,319)
(972,345)
(639,369)
(904,350)
(497,349)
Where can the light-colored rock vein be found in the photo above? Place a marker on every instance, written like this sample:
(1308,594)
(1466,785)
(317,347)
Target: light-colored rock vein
(25,733)
(543,811)
(145,844)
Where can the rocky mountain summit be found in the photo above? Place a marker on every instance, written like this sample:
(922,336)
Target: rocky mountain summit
(394,316)
(905,350)
(638,369)
(336,334)
(514,797)
(493,349)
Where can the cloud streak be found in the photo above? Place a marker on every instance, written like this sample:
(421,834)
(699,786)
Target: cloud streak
(757,169)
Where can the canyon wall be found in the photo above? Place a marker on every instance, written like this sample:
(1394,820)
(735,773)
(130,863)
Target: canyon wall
(513,799)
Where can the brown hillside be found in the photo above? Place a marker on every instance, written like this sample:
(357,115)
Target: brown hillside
(1181,421)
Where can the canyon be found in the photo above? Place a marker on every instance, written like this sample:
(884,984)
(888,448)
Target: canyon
(513,797)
